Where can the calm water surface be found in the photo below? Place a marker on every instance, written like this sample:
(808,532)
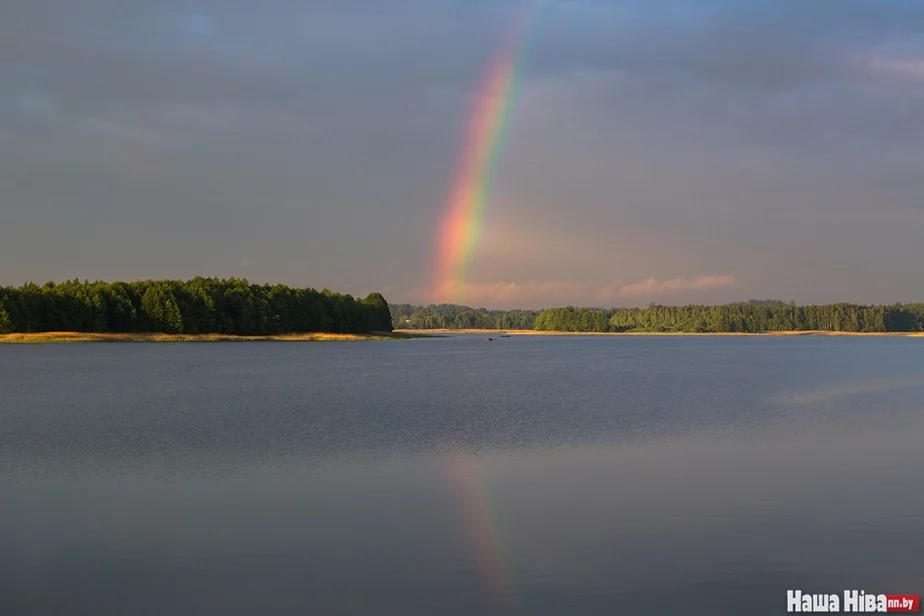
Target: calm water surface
(530,475)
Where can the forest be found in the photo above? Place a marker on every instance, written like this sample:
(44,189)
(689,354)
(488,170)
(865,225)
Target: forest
(451,316)
(197,306)
(746,317)
(237,307)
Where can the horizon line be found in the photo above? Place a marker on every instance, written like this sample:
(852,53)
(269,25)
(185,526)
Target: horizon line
(752,301)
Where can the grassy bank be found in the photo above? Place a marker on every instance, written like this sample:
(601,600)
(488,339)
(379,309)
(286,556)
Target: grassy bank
(52,337)
(531,332)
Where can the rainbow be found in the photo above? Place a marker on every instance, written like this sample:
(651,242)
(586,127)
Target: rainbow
(487,127)
(483,528)
(456,242)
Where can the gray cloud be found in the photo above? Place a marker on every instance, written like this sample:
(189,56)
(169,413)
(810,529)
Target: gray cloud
(775,142)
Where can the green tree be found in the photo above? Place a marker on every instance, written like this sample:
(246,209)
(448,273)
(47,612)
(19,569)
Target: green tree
(6,322)
(161,310)
(380,318)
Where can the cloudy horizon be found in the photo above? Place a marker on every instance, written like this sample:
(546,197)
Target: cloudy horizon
(689,152)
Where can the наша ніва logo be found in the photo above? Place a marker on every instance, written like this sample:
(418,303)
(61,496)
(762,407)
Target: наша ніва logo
(851,601)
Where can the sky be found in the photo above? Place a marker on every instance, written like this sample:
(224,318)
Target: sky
(671,152)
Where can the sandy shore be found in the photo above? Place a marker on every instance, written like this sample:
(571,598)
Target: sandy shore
(48,337)
(400,334)
(530,332)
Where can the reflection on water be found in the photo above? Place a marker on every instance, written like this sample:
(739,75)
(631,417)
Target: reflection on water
(848,388)
(577,476)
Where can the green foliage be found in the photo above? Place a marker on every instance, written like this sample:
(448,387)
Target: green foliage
(161,310)
(197,306)
(379,314)
(6,323)
(573,320)
(450,316)
(749,317)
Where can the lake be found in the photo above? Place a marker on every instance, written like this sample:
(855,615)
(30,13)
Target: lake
(529,475)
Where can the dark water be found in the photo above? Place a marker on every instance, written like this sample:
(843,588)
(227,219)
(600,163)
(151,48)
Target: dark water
(530,475)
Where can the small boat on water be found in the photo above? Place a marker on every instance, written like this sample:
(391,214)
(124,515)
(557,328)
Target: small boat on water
(490,339)
(505,335)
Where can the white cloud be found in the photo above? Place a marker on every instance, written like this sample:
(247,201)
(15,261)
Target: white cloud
(897,57)
(201,114)
(38,104)
(129,132)
(653,287)
(502,294)
(911,69)
(536,294)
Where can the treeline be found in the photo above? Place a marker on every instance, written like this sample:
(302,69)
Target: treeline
(198,306)
(746,317)
(451,316)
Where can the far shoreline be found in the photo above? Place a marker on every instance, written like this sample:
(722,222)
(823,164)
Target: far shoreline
(398,334)
(72,337)
(532,332)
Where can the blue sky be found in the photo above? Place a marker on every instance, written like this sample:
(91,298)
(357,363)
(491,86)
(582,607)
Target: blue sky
(660,151)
